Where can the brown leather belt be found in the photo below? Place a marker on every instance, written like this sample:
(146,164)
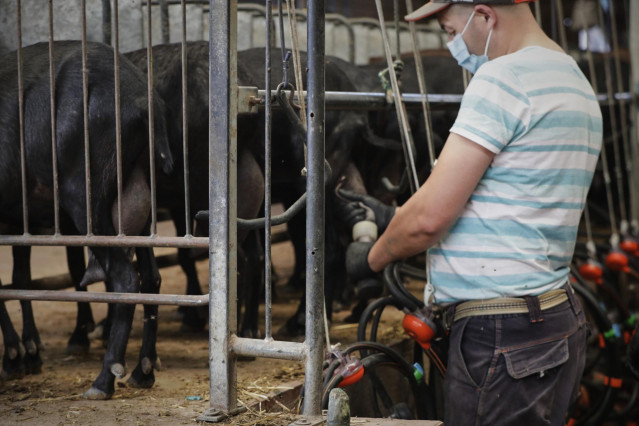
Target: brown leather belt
(508,305)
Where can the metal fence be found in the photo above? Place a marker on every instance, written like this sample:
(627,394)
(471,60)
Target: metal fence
(225,346)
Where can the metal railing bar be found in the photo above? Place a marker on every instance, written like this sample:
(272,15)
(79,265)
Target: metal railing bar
(375,100)
(91,297)
(315,217)
(54,148)
(185,129)
(267,175)
(85,111)
(118,124)
(268,348)
(151,97)
(23,160)
(103,241)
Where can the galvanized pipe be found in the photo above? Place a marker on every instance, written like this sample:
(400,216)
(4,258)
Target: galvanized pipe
(267,174)
(315,211)
(377,100)
(54,146)
(102,241)
(23,160)
(150,91)
(268,348)
(85,110)
(185,128)
(222,203)
(118,118)
(89,297)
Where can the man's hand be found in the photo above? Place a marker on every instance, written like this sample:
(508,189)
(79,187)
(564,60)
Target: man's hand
(383,212)
(357,266)
(350,212)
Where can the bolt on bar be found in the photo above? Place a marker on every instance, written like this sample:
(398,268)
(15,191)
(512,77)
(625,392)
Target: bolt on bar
(315,209)
(23,162)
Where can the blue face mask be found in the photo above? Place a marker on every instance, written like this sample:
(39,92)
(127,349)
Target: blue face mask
(460,52)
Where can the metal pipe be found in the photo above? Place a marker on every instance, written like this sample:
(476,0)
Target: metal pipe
(102,241)
(150,91)
(118,121)
(398,48)
(23,160)
(89,297)
(54,145)
(562,29)
(222,203)
(164,21)
(315,212)
(185,128)
(268,348)
(377,100)
(85,110)
(267,175)
(538,13)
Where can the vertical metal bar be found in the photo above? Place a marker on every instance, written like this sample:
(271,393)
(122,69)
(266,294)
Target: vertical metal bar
(54,148)
(118,124)
(151,96)
(185,128)
(538,13)
(633,48)
(85,111)
(553,19)
(222,202)
(398,49)
(164,21)
(315,209)
(23,159)
(267,174)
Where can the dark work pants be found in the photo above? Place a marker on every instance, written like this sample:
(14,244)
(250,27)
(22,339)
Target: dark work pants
(508,370)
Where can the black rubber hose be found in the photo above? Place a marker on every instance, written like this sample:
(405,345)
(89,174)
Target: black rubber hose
(368,312)
(398,294)
(400,286)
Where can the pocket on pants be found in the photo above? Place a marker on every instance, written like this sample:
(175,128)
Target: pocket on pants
(523,362)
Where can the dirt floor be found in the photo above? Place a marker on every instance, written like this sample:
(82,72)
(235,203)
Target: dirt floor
(181,390)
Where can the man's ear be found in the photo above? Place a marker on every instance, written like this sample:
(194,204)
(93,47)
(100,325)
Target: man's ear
(486,12)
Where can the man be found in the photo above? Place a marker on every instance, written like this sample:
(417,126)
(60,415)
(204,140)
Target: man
(500,213)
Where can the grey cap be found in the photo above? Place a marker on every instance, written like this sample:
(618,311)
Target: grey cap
(434,6)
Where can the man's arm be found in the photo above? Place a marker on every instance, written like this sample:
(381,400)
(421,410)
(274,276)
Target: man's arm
(431,211)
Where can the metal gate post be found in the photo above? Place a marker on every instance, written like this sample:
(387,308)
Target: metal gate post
(315,210)
(222,207)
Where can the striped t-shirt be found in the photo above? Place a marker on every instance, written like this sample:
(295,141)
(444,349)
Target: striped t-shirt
(516,235)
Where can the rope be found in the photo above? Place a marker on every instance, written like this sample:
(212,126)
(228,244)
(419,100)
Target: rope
(297,62)
(399,105)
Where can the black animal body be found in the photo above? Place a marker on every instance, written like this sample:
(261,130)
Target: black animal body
(121,276)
